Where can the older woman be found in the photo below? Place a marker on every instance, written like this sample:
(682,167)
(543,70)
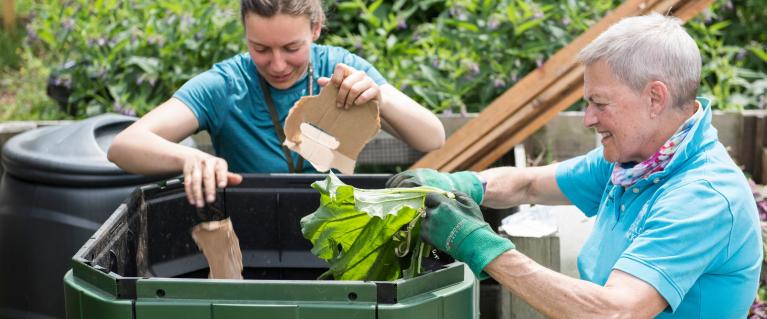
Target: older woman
(676,233)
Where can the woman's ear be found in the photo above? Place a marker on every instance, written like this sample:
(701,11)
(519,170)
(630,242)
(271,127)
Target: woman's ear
(317,29)
(659,97)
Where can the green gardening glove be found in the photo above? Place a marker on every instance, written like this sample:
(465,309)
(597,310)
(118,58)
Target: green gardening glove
(456,227)
(464,182)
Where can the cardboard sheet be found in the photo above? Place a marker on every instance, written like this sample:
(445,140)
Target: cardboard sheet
(328,136)
(221,248)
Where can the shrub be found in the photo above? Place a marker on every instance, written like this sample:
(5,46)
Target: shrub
(129,56)
(730,35)
(450,55)
(458,55)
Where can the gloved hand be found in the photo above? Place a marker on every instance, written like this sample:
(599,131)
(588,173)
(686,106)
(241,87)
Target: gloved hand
(464,182)
(456,227)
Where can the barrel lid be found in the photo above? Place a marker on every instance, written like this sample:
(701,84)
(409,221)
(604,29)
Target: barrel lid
(74,154)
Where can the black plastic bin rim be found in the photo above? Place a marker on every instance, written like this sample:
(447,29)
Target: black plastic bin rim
(33,156)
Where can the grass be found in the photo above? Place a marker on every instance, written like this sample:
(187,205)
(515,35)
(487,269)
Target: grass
(22,90)
(23,77)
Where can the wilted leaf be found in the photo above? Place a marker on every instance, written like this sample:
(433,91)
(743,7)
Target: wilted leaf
(356,230)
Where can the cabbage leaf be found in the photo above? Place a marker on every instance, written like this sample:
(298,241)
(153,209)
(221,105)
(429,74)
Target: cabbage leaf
(367,234)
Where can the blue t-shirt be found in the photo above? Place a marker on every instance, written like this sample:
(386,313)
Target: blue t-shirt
(691,231)
(228,102)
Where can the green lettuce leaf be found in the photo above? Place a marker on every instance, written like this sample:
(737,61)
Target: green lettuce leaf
(367,234)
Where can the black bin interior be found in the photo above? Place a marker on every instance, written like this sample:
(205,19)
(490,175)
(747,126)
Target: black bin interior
(153,237)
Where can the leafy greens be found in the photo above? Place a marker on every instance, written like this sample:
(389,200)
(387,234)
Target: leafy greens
(367,234)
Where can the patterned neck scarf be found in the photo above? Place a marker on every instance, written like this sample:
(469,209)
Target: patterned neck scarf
(624,174)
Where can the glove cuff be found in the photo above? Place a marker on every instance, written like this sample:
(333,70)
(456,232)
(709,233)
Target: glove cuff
(481,247)
(469,183)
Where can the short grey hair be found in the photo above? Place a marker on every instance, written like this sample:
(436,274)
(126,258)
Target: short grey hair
(649,48)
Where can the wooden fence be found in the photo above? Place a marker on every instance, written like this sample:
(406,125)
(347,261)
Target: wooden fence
(9,15)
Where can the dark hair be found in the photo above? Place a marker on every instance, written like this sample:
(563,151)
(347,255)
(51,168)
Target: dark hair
(269,8)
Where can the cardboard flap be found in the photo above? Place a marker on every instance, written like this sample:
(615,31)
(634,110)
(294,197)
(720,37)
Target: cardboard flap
(328,136)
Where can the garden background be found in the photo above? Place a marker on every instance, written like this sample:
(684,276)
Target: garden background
(78,58)
(453,56)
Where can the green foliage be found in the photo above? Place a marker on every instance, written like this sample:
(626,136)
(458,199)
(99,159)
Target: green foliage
(22,91)
(10,43)
(459,55)
(450,55)
(364,233)
(733,44)
(129,56)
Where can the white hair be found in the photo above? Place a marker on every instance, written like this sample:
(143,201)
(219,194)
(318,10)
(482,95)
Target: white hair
(649,48)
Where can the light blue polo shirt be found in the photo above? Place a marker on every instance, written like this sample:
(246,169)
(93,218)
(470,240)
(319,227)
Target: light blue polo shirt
(228,103)
(691,231)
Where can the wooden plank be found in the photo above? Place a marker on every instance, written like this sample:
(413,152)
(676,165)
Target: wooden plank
(747,137)
(544,251)
(758,145)
(526,131)
(9,15)
(764,167)
(479,138)
(527,88)
(487,143)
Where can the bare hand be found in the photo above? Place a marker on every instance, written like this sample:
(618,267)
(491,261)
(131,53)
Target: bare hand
(203,174)
(355,87)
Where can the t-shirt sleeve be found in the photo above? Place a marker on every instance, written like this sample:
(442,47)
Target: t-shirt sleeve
(357,62)
(685,232)
(205,94)
(583,179)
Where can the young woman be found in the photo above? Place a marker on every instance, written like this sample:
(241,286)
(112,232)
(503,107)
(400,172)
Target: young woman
(243,102)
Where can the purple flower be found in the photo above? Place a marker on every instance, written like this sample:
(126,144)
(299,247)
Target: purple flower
(118,107)
(186,21)
(473,68)
(514,77)
(101,41)
(101,73)
(68,24)
(124,110)
(140,80)
(499,83)
(566,21)
(156,39)
(152,81)
(707,16)
(538,14)
(31,33)
(402,24)
(493,23)
(458,12)
(741,55)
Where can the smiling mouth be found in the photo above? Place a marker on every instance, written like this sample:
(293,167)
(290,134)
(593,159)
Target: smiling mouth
(605,135)
(281,77)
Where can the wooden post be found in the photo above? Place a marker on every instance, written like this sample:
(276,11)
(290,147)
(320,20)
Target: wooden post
(498,302)
(758,145)
(9,15)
